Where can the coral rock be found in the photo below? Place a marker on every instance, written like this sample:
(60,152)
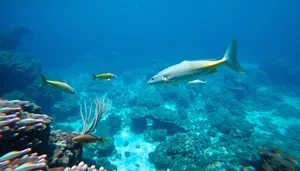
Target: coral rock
(21,126)
(62,150)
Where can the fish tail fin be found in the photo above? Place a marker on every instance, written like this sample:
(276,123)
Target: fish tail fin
(101,139)
(43,80)
(94,76)
(230,57)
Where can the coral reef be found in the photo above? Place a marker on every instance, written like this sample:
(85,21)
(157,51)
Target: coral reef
(156,135)
(20,67)
(67,106)
(26,161)
(156,118)
(111,125)
(21,160)
(20,75)
(62,151)
(21,126)
(81,166)
(281,71)
(11,40)
(179,152)
(273,158)
(103,150)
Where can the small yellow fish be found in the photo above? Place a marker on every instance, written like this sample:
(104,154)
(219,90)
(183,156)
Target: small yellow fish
(106,75)
(57,85)
(88,138)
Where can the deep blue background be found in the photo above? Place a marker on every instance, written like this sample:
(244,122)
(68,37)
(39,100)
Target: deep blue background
(65,31)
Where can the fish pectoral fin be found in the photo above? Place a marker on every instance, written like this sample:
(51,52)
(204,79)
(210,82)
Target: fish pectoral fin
(167,80)
(108,79)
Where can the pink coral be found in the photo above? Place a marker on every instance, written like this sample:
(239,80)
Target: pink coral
(16,116)
(22,126)
(82,166)
(21,160)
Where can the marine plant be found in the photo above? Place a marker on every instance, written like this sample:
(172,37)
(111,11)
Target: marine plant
(92,115)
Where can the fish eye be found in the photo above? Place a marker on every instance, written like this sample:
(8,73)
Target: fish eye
(152,78)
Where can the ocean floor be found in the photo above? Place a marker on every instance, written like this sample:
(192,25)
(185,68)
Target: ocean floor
(138,159)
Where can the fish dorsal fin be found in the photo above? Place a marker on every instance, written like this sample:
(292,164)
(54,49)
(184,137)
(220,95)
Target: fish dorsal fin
(209,59)
(191,60)
(90,134)
(104,73)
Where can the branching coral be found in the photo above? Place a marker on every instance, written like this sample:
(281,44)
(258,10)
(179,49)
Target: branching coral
(90,118)
(21,127)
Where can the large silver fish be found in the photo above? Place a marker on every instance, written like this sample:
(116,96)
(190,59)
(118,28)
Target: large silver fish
(187,71)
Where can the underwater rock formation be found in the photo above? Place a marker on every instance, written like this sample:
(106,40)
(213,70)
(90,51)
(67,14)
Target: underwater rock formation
(173,94)
(67,106)
(103,150)
(11,40)
(156,135)
(20,75)
(103,161)
(17,70)
(62,151)
(111,125)
(282,71)
(180,152)
(156,118)
(273,158)
(149,98)
(21,126)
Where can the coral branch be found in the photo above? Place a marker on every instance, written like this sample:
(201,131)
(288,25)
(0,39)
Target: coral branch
(90,118)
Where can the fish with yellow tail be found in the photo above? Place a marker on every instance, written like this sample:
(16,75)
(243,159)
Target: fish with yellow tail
(187,71)
(104,76)
(57,85)
(88,138)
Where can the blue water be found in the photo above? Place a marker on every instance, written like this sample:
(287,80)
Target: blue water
(136,39)
(143,29)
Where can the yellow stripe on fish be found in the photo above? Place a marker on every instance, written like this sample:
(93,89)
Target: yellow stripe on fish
(106,75)
(189,70)
(57,85)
